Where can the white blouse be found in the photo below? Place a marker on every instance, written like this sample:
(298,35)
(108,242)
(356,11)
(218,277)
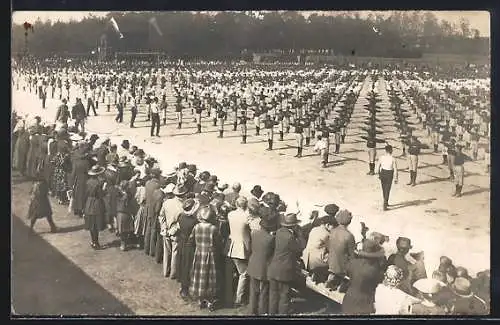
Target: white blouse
(387,162)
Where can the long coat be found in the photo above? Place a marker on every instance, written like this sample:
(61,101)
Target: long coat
(111,195)
(186,248)
(206,261)
(151,186)
(141,214)
(39,205)
(340,249)
(316,252)
(78,181)
(262,250)
(33,157)
(21,151)
(287,251)
(365,275)
(238,245)
(94,205)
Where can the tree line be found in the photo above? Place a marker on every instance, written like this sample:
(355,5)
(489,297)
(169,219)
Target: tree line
(196,34)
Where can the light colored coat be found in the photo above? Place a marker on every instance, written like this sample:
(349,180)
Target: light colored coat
(316,252)
(238,245)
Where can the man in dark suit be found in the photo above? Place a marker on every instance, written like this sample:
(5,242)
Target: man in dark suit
(78,114)
(262,250)
(284,266)
(151,202)
(340,249)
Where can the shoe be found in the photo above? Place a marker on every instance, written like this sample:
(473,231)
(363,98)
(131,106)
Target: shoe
(203,304)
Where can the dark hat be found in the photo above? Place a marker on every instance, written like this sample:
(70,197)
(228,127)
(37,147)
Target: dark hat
(206,213)
(204,176)
(190,206)
(182,165)
(268,224)
(290,220)
(125,144)
(139,153)
(271,199)
(222,187)
(94,137)
(462,272)
(331,209)
(444,263)
(257,191)
(403,242)
(213,179)
(191,168)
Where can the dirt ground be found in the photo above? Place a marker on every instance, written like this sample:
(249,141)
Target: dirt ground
(427,214)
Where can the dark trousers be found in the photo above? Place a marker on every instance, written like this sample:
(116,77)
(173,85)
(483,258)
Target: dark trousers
(155,123)
(132,118)
(147,237)
(43,101)
(119,116)
(259,297)
(279,297)
(90,104)
(227,285)
(386,177)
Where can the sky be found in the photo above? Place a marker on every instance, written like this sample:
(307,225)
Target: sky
(477,19)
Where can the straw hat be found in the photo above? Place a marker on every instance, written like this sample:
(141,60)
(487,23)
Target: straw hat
(429,286)
(96,170)
(190,206)
(290,220)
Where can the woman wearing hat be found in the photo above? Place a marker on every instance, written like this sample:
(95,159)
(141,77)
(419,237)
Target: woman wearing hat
(21,147)
(389,299)
(187,221)
(206,261)
(141,216)
(78,178)
(39,206)
(365,273)
(94,206)
(284,267)
(62,165)
(427,289)
(124,220)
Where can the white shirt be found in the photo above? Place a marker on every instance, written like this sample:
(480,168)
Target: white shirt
(390,301)
(154,108)
(387,162)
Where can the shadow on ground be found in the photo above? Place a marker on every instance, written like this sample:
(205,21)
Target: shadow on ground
(45,282)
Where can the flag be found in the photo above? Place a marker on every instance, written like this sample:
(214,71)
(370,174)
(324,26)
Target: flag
(154,23)
(115,26)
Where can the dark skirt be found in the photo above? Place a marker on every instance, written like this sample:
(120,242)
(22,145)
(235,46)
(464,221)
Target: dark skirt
(96,221)
(39,208)
(186,256)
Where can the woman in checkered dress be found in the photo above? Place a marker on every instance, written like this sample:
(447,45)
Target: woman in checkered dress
(204,276)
